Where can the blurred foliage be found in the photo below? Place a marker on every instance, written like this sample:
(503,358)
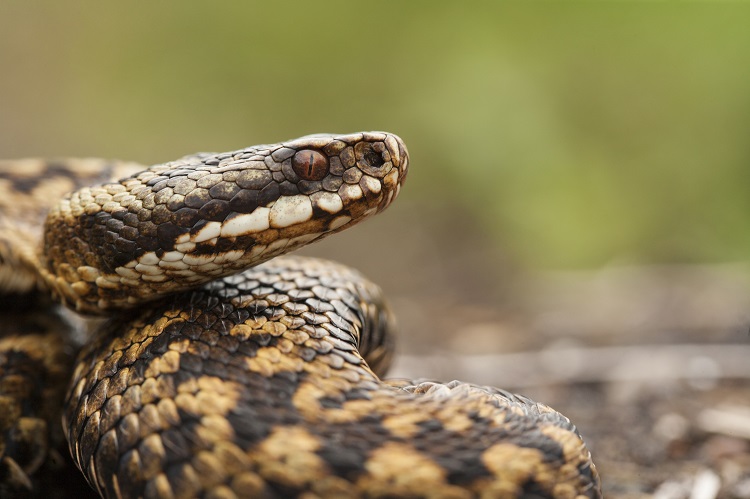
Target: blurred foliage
(577,133)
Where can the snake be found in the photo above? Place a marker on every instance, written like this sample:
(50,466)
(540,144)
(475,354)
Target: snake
(221,366)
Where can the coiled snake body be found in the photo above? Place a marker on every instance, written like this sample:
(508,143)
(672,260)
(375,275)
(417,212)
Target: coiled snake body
(218,375)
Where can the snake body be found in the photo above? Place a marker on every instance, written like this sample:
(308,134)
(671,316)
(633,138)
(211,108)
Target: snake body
(228,369)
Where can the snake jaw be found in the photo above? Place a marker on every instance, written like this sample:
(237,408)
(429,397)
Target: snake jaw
(178,225)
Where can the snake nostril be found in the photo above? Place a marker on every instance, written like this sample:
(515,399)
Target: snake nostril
(310,165)
(374,159)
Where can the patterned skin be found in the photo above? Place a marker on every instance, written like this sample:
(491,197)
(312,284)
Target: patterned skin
(209,380)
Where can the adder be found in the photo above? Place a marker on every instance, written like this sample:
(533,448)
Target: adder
(226,368)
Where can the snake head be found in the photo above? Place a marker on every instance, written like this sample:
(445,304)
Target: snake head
(177,225)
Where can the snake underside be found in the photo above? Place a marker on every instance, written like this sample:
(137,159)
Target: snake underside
(225,368)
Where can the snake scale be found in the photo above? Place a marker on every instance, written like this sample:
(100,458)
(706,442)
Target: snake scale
(225,368)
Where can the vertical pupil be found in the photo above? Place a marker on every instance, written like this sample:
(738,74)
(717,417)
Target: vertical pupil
(310,164)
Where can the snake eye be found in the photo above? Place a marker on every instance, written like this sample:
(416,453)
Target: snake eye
(310,165)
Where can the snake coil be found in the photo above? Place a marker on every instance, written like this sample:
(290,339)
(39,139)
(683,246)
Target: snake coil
(224,367)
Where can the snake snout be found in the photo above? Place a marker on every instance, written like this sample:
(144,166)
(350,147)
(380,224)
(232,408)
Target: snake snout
(397,151)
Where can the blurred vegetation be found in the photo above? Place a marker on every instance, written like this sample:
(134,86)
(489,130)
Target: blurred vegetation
(578,133)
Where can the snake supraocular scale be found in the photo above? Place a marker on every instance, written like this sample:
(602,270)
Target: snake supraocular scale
(215,377)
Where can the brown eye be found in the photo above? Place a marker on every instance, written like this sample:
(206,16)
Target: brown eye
(310,165)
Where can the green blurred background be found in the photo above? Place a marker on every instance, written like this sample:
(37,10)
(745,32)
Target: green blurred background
(571,134)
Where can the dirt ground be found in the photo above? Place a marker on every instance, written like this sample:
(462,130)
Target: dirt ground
(650,362)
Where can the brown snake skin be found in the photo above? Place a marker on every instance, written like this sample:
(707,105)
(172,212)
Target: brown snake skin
(225,369)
